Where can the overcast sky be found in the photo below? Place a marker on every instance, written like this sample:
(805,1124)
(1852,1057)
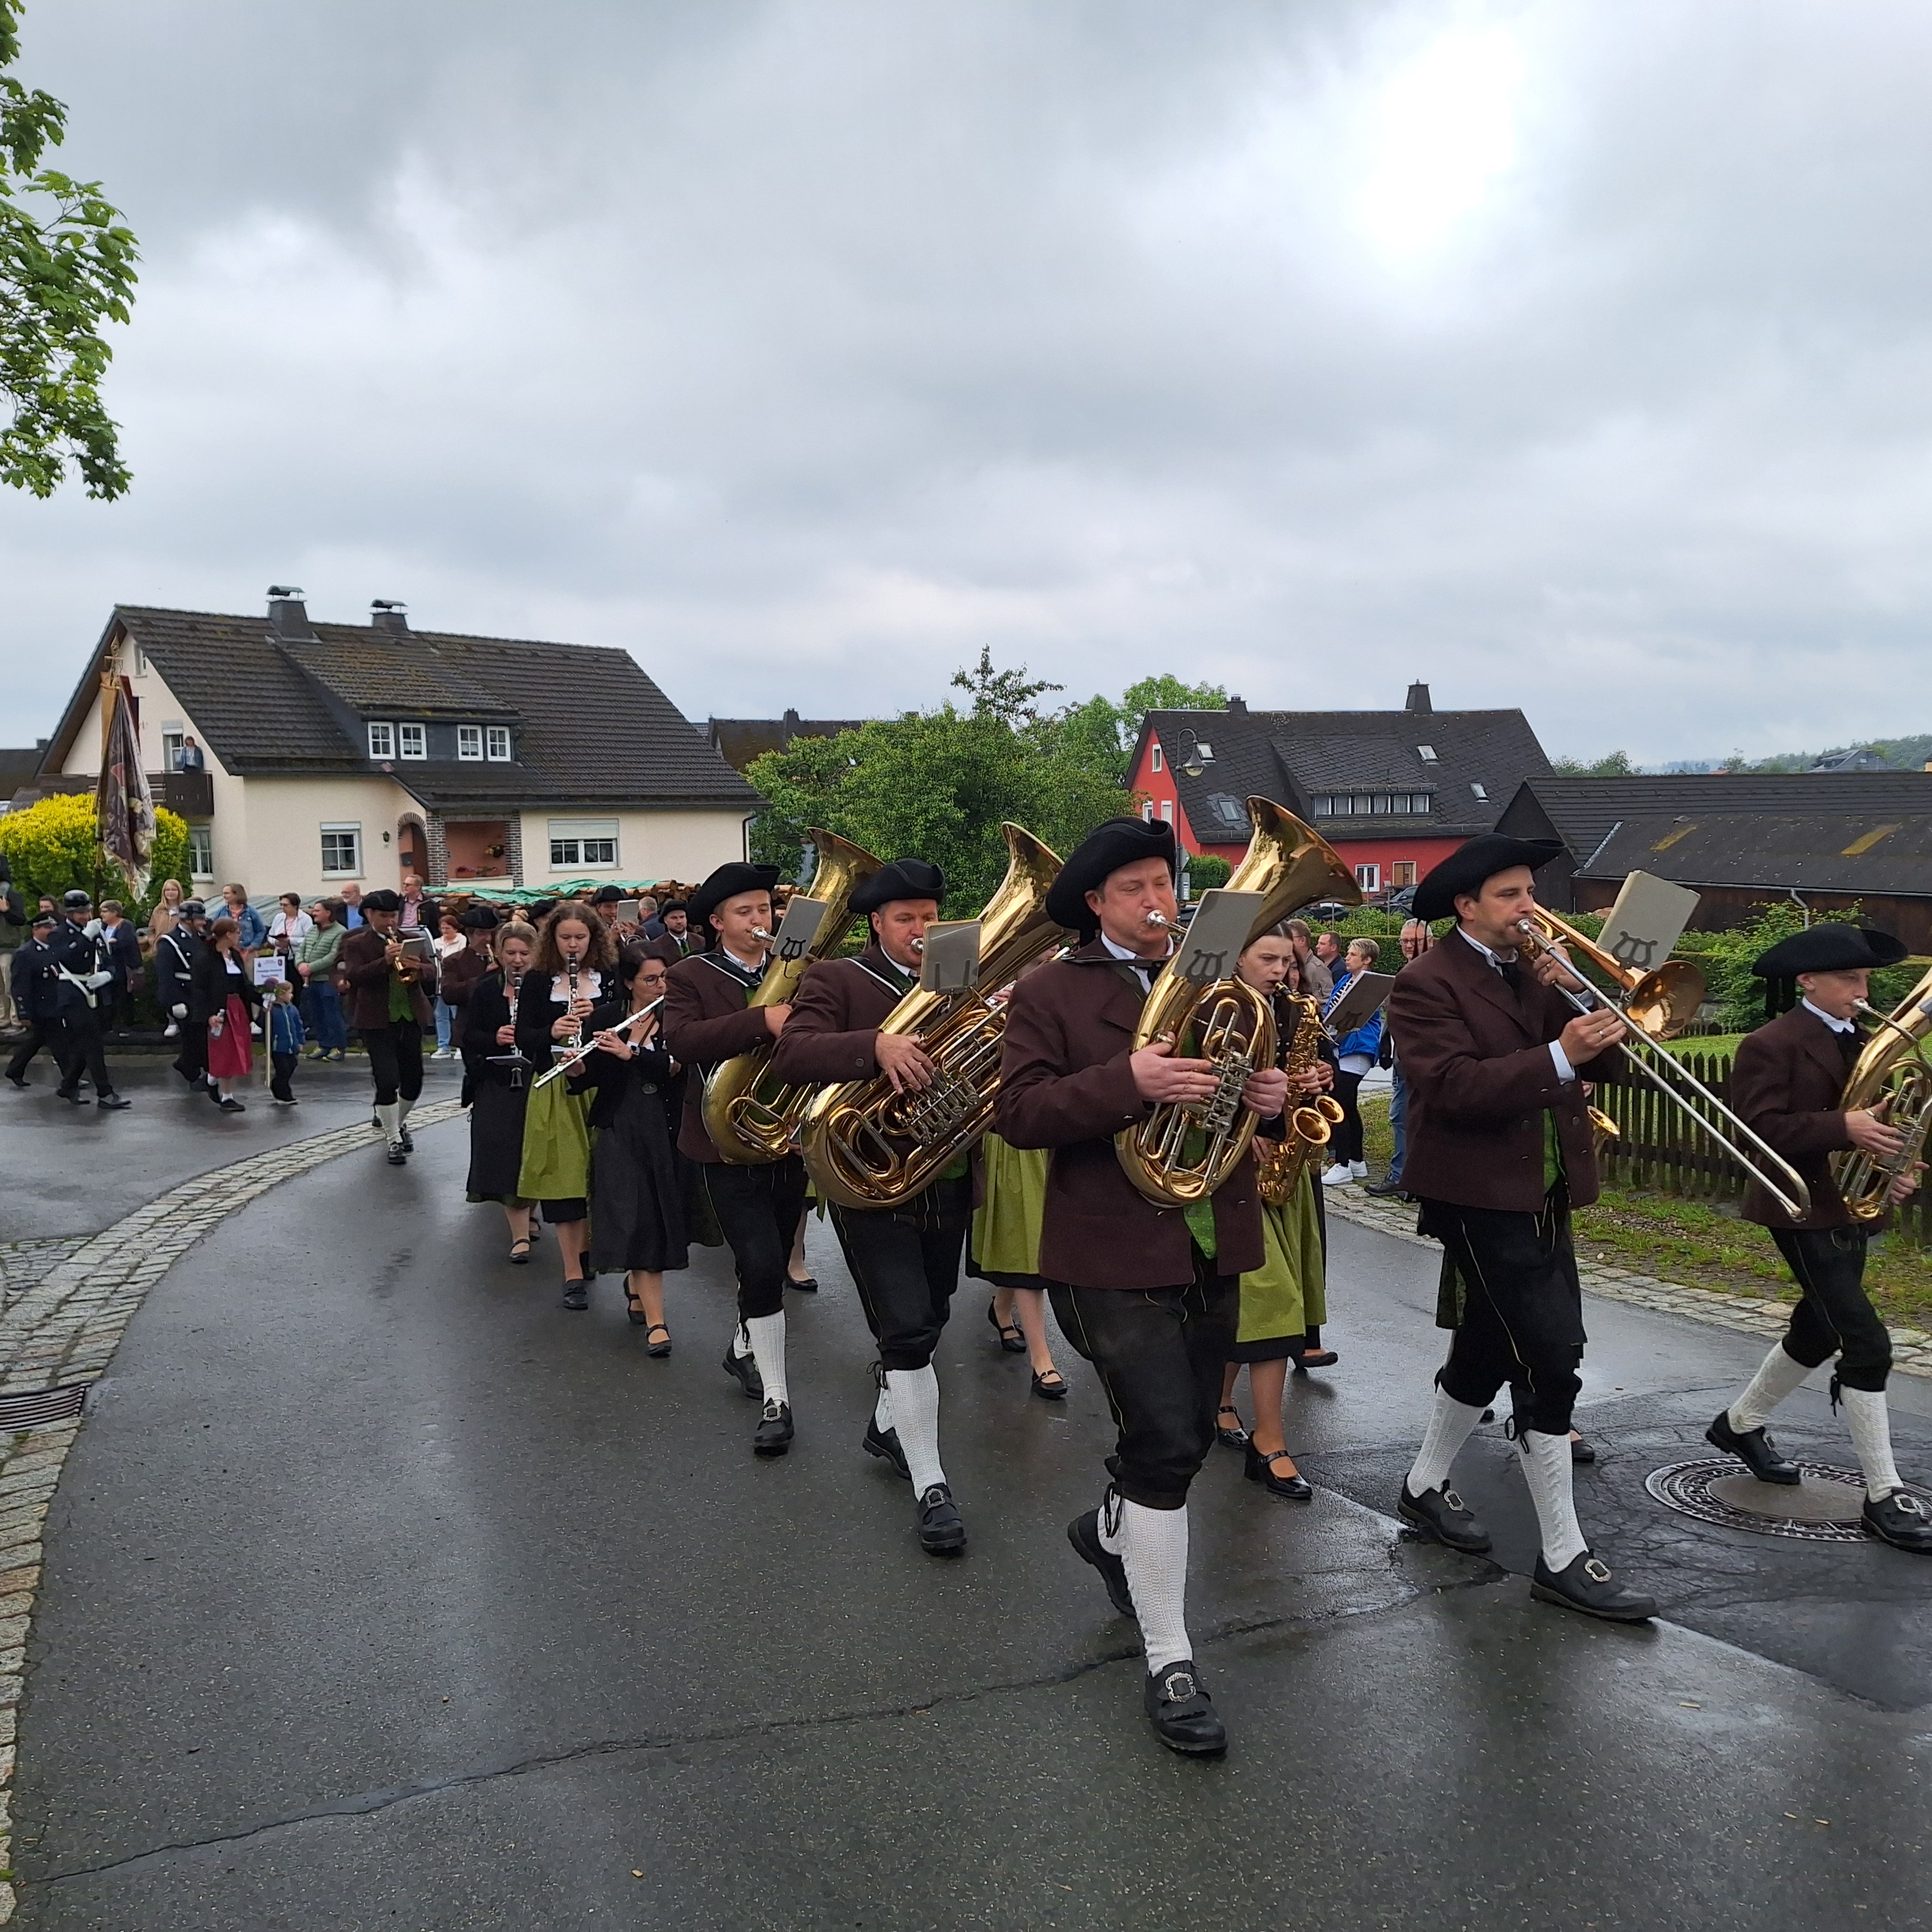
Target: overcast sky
(1570,356)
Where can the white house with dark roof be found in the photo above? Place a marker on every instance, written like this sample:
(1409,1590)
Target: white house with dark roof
(348,751)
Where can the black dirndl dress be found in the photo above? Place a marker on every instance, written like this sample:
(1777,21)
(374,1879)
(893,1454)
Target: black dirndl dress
(637,1190)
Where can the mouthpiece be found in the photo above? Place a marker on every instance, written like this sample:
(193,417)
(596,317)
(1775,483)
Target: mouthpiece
(759,933)
(1158,921)
(917,945)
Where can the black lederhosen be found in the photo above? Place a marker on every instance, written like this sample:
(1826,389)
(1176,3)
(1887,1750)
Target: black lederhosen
(1835,1315)
(905,1264)
(1510,1290)
(757,1210)
(1159,1353)
(48,1034)
(395,1061)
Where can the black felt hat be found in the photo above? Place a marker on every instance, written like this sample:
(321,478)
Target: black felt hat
(1832,947)
(670,906)
(1467,869)
(726,883)
(607,896)
(480,918)
(1118,842)
(903,879)
(382,900)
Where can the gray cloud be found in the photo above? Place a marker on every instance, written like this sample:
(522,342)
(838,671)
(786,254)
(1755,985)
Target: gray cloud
(1566,356)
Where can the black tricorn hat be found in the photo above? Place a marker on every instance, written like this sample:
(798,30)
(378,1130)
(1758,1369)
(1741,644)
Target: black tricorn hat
(726,883)
(607,896)
(1832,947)
(480,918)
(1109,846)
(670,906)
(903,879)
(1469,866)
(382,900)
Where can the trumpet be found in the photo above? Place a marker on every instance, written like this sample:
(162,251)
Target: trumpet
(578,1055)
(1654,1006)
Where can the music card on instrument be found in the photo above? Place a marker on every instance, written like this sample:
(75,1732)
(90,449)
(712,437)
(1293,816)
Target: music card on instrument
(1364,997)
(627,912)
(951,961)
(798,928)
(1218,934)
(1648,920)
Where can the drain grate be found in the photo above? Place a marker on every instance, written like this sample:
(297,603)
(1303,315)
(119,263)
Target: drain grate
(1824,1507)
(43,1406)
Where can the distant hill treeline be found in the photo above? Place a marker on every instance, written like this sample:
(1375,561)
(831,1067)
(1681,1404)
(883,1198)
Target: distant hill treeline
(1909,754)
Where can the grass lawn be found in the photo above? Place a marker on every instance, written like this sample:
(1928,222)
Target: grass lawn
(1701,1244)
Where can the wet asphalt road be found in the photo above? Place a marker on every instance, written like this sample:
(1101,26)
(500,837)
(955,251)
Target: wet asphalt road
(381,1592)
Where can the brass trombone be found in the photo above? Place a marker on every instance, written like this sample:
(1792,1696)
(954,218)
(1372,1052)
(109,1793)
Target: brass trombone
(1656,1006)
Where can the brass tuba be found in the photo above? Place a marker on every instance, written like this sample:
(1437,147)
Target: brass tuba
(1181,1153)
(866,1145)
(750,1117)
(1892,1078)
(1278,1166)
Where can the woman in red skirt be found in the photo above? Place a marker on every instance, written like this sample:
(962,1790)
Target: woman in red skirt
(224,994)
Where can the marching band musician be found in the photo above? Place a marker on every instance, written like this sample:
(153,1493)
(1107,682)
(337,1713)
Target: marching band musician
(905,1260)
(1499,1151)
(707,1020)
(1148,1294)
(1786,1085)
(497,1076)
(389,987)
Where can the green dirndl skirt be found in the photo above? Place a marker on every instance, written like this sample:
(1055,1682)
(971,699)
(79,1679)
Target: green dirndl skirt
(1007,1224)
(1285,1296)
(557,1145)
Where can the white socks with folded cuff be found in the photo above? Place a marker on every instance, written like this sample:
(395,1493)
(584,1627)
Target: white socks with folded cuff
(1547,1469)
(1152,1544)
(767,1335)
(912,1404)
(1450,1422)
(392,1118)
(1778,1375)
(1871,1425)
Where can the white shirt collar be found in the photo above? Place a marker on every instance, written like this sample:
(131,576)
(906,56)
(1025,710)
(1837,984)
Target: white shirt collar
(1836,1025)
(1133,957)
(1497,960)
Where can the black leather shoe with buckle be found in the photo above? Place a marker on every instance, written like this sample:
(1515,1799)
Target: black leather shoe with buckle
(940,1531)
(1083,1533)
(1900,1520)
(884,1443)
(1441,1514)
(1183,1715)
(1587,1584)
(1754,1449)
(743,1369)
(576,1296)
(772,1436)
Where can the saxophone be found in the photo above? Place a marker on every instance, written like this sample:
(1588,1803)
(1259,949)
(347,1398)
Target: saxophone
(1279,1164)
(1893,1079)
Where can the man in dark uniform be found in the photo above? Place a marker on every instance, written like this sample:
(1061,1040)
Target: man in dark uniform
(905,1260)
(1499,1151)
(175,952)
(83,975)
(1149,1295)
(676,941)
(32,974)
(1786,1083)
(708,1019)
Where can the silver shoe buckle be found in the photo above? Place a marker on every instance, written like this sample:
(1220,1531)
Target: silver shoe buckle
(1597,1570)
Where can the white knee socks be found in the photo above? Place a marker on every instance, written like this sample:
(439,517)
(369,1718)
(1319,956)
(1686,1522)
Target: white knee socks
(1152,1544)
(391,1119)
(1547,1469)
(767,1333)
(1777,1375)
(882,1409)
(1871,1438)
(741,1341)
(1450,1422)
(914,1397)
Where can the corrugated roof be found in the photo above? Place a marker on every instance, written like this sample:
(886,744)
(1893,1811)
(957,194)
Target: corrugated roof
(1826,852)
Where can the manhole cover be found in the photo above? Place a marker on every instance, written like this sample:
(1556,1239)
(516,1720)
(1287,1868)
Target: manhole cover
(1824,1507)
(43,1406)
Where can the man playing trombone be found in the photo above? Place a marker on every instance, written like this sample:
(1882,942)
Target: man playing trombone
(1499,1151)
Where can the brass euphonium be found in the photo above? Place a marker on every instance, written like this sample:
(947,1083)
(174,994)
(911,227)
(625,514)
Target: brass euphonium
(866,1145)
(1279,1164)
(1182,1152)
(751,1118)
(1892,1078)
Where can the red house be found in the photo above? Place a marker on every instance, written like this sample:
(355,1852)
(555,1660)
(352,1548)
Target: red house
(1393,791)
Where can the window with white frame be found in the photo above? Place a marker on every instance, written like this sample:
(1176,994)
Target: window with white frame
(412,741)
(172,739)
(1369,877)
(1156,757)
(201,851)
(582,843)
(342,851)
(382,741)
(470,741)
(499,737)
(1167,810)
(1402,872)
(1147,810)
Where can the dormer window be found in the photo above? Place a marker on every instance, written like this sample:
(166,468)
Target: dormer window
(1426,753)
(412,741)
(1206,750)
(1480,791)
(382,741)
(498,738)
(470,741)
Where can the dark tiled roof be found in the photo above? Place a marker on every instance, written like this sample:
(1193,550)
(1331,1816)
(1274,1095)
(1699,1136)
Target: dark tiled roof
(739,740)
(17,767)
(1296,756)
(367,671)
(1874,853)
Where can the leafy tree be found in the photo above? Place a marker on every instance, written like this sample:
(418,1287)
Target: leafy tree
(52,847)
(1612,765)
(67,268)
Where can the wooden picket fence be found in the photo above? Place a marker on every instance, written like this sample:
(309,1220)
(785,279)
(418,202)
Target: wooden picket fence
(1658,1150)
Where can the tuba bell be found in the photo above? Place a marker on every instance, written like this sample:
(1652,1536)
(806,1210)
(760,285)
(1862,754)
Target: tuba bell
(1182,1152)
(750,1117)
(1893,1079)
(866,1145)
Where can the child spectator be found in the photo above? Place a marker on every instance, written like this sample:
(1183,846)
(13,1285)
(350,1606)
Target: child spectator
(285,1035)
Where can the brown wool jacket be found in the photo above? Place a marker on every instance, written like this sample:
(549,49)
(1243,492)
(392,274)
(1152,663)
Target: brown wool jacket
(1065,1084)
(1480,1076)
(1785,1082)
(706,1021)
(835,1018)
(361,963)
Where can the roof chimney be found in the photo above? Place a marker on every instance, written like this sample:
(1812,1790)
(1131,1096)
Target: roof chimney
(288,615)
(388,613)
(1418,701)
(1238,706)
